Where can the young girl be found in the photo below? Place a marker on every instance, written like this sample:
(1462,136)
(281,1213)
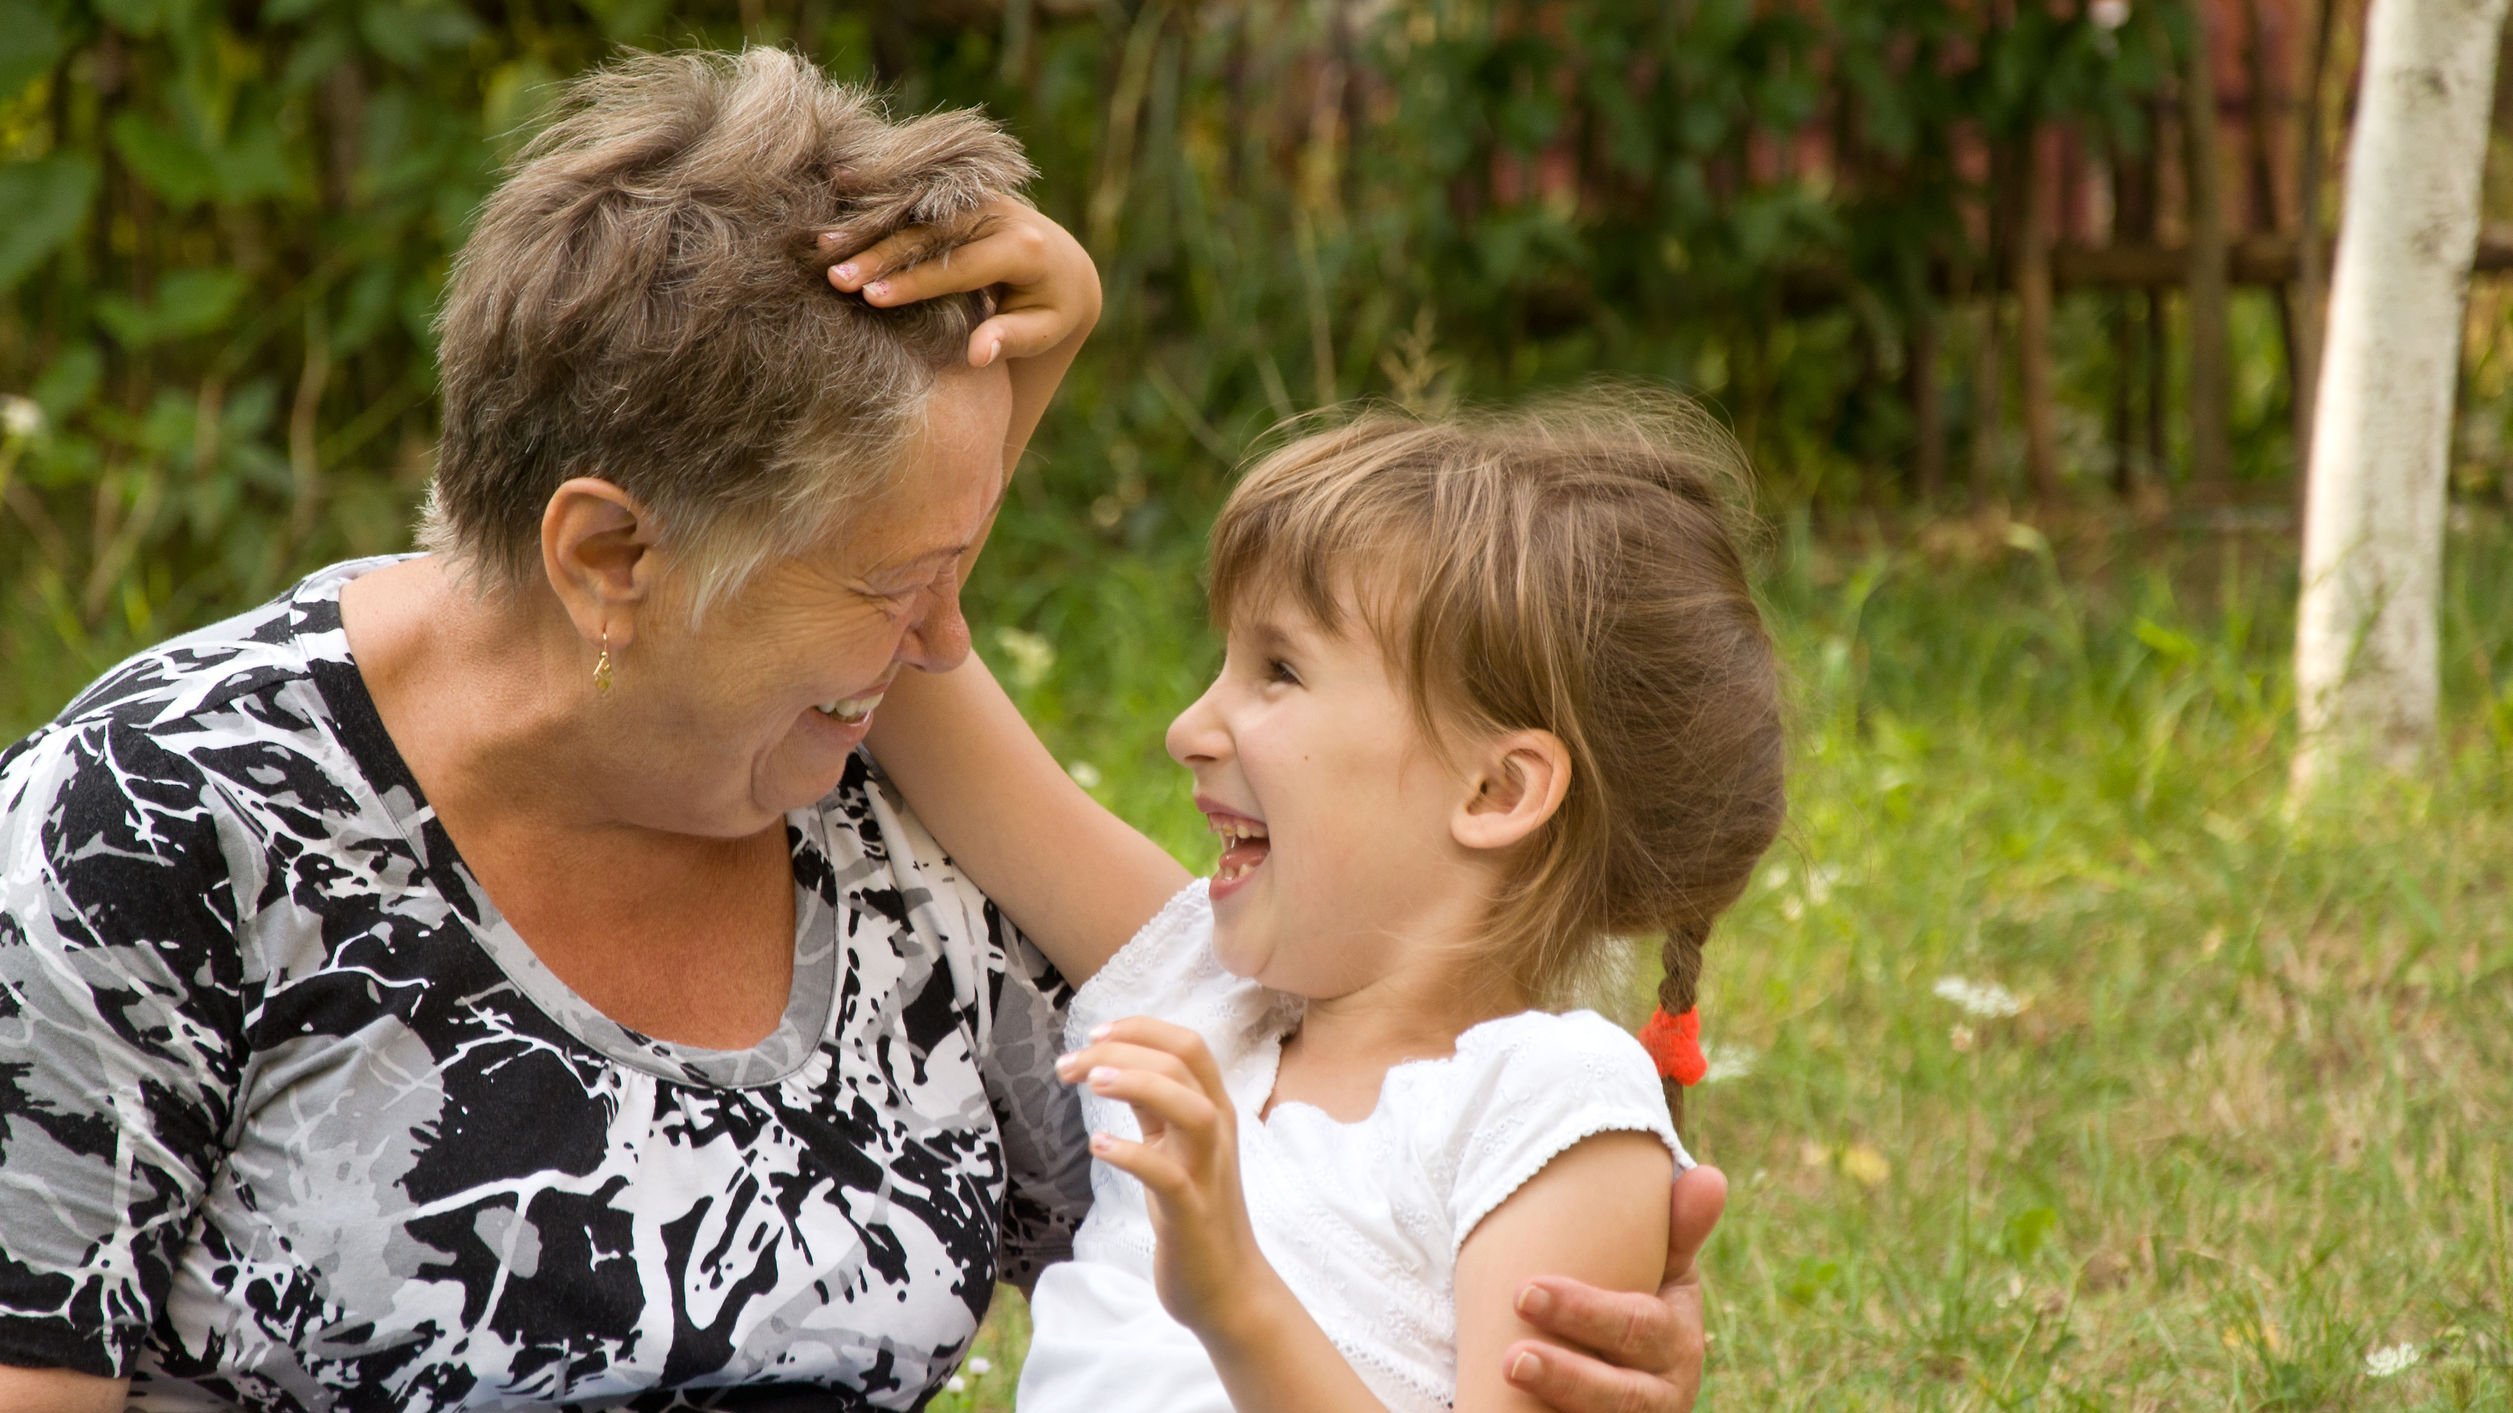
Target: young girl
(1495,698)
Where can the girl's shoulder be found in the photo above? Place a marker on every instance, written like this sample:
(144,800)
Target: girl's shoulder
(1520,1091)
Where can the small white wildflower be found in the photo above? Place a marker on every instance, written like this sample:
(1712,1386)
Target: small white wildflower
(1819,881)
(981,1365)
(19,416)
(1028,658)
(955,1384)
(1084,774)
(1793,908)
(2383,1363)
(1729,1061)
(1986,1000)
(2108,14)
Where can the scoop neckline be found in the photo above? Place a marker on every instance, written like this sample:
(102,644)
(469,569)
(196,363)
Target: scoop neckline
(391,787)
(1269,1108)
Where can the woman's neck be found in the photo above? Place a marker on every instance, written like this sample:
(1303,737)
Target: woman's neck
(482,696)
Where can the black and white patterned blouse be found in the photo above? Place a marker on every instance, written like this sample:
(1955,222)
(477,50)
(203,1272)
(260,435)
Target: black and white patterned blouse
(290,1118)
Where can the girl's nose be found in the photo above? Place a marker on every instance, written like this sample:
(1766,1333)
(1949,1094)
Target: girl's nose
(1196,736)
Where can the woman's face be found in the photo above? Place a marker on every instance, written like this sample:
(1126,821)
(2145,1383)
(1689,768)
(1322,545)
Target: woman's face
(756,710)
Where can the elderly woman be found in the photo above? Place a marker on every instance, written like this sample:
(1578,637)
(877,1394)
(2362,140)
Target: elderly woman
(495,977)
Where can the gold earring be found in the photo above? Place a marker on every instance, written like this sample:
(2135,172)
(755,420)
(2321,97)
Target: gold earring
(602,665)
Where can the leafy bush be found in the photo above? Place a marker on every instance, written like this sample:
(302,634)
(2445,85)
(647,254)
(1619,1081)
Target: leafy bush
(229,225)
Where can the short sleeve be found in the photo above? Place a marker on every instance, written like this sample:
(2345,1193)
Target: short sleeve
(1533,1085)
(1167,969)
(120,1036)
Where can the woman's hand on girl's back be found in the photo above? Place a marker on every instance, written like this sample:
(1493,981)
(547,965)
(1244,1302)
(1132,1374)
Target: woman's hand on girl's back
(1652,1347)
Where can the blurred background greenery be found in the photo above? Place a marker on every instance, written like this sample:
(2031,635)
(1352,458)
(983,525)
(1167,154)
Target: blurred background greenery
(2015,305)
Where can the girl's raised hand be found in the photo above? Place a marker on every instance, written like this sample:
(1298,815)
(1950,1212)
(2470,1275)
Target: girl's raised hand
(1187,1161)
(1048,291)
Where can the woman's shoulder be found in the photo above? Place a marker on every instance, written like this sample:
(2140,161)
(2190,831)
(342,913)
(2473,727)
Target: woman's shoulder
(186,733)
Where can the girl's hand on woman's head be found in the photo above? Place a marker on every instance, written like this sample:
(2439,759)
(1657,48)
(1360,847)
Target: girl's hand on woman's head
(1649,1350)
(1047,289)
(1188,1162)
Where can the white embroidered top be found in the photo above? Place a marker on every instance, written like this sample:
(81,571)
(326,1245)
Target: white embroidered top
(1363,1220)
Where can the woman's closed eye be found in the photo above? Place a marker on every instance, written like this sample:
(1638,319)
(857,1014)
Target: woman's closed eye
(898,597)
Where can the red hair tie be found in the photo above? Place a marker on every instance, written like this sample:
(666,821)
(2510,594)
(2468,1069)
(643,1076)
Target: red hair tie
(1674,1042)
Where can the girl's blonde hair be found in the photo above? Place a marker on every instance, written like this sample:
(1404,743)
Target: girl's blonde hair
(1572,568)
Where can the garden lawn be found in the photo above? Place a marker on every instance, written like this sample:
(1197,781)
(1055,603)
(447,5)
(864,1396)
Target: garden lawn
(2242,1142)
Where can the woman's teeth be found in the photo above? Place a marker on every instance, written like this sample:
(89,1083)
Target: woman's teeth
(852,710)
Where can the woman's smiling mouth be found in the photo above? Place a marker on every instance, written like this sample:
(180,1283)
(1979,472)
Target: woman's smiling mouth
(851,711)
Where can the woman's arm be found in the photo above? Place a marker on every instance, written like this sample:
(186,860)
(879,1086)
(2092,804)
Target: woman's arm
(1074,877)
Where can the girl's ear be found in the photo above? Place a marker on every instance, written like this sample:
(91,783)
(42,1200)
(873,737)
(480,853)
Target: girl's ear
(1518,782)
(598,550)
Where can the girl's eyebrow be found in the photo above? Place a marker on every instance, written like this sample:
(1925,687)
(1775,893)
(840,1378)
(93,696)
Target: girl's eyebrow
(1268,633)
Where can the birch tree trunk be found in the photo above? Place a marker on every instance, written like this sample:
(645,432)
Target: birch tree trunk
(2365,675)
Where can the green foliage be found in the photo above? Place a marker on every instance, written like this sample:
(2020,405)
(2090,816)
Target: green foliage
(228,226)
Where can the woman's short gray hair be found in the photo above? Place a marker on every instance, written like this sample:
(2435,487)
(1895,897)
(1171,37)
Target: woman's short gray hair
(645,299)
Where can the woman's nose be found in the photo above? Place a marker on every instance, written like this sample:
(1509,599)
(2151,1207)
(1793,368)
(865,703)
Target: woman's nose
(939,641)
(1196,736)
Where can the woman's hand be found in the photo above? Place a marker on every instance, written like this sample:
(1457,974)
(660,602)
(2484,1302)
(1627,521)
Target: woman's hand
(1649,1349)
(1187,1161)
(1047,289)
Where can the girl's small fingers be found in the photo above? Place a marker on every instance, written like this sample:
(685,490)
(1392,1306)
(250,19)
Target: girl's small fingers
(1156,1170)
(1018,333)
(1076,1067)
(1173,1039)
(885,261)
(1158,1099)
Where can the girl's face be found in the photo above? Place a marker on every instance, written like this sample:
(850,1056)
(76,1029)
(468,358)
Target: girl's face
(1333,810)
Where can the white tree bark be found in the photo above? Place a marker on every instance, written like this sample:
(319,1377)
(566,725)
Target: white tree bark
(2365,673)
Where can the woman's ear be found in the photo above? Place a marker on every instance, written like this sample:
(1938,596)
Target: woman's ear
(598,550)
(1518,783)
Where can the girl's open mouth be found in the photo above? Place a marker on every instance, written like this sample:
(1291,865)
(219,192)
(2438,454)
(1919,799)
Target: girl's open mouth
(1244,847)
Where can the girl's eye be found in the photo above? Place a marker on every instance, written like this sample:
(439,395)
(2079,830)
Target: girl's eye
(1277,670)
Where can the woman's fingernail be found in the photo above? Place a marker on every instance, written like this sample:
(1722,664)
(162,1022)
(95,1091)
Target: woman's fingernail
(1534,1301)
(1526,1369)
(1103,1074)
(1101,1143)
(845,271)
(878,289)
(1064,1067)
(1100,1032)
(994,351)
(833,237)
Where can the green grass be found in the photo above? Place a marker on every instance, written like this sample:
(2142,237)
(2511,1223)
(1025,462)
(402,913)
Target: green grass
(2249,1125)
